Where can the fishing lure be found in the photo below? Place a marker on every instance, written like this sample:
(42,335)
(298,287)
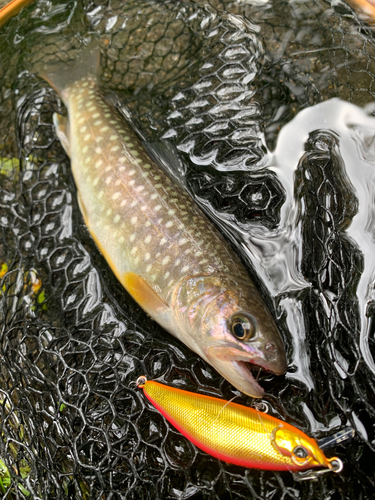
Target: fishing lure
(237,434)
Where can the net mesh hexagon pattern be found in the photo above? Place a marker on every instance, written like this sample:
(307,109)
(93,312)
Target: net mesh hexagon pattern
(217,80)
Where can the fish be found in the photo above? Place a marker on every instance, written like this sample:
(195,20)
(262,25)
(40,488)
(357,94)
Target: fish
(235,433)
(160,245)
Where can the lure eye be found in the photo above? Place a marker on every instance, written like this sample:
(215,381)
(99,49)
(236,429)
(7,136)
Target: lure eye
(242,326)
(300,455)
(300,452)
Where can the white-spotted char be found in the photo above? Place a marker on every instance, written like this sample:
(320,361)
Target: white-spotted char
(162,248)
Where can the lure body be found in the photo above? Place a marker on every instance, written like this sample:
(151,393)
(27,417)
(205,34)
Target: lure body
(234,433)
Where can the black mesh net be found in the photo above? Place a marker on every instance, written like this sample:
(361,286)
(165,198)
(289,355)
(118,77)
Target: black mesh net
(218,81)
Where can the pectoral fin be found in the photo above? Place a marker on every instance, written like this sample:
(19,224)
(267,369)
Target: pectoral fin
(62,131)
(148,299)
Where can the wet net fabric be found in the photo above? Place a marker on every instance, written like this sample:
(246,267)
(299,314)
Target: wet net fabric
(217,81)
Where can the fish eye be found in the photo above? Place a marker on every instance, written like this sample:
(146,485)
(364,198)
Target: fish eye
(242,326)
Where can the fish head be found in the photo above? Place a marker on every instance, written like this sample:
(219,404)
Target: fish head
(232,328)
(302,451)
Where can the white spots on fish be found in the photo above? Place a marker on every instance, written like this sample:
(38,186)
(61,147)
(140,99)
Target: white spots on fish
(97,122)
(100,195)
(169,224)
(154,196)
(123,203)
(147,256)
(198,254)
(103,129)
(145,174)
(81,120)
(107,115)
(132,182)
(172,211)
(118,182)
(116,219)
(134,220)
(92,108)
(87,160)
(108,180)
(203,261)
(154,278)
(108,168)
(85,149)
(83,129)
(184,269)
(182,241)
(96,181)
(148,239)
(166,260)
(99,138)
(148,268)
(115,148)
(109,211)
(132,237)
(98,150)
(89,103)
(121,169)
(132,172)
(187,251)
(113,138)
(139,188)
(134,203)
(122,159)
(166,275)
(170,283)
(158,186)
(157,208)
(157,177)
(148,223)
(134,152)
(84,84)
(134,250)
(121,240)
(99,163)
(136,260)
(146,166)
(144,208)
(116,196)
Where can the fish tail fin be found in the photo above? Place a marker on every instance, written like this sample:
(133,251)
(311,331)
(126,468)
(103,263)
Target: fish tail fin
(63,74)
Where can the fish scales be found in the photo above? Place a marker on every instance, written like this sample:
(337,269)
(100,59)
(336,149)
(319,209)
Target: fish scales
(154,227)
(160,245)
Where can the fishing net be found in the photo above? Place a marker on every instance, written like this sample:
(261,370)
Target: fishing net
(217,81)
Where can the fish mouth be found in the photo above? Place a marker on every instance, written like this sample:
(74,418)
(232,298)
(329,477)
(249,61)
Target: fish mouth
(245,369)
(241,369)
